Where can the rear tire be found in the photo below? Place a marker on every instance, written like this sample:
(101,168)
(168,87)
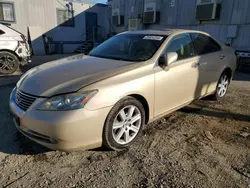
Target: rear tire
(124,124)
(222,87)
(9,63)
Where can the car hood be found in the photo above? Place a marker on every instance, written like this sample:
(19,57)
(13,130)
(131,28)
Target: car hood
(70,74)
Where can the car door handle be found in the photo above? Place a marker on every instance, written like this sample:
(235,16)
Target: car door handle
(222,56)
(195,65)
(204,63)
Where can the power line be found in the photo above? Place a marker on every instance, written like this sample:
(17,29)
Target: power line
(61,4)
(131,15)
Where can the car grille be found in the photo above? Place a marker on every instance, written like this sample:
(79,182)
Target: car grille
(23,100)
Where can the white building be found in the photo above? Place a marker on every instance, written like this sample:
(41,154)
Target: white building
(66,21)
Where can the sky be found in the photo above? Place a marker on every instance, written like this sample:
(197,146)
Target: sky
(94,1)
(99,1)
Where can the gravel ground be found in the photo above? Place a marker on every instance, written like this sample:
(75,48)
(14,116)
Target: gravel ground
(198,146)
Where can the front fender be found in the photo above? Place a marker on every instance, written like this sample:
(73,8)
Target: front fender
(111,95)
(111,90)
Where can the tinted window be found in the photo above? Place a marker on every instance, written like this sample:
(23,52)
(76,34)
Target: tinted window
(182,45)
(129,47)
(204,44)
(1,32)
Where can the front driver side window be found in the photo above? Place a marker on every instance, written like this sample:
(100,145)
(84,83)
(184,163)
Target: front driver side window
(182,45)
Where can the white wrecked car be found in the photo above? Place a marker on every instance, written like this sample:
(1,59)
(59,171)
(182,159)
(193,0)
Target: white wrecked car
(14,50)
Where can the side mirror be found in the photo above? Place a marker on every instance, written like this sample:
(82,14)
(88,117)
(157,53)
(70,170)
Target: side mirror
(167,59)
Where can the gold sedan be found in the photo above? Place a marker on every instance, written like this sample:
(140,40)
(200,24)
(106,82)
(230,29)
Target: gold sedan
(107,97)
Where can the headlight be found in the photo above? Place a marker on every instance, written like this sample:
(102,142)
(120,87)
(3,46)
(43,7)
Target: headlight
(67,102)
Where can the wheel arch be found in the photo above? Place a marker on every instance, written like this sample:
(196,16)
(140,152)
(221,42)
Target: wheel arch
(228,71)
(12,52)
(145,104)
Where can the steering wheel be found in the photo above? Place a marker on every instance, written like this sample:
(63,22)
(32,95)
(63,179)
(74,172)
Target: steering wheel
(141,53)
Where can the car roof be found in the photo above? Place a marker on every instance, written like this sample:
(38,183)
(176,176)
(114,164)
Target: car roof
(165,32)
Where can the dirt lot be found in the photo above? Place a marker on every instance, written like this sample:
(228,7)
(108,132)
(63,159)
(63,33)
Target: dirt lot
(198,146)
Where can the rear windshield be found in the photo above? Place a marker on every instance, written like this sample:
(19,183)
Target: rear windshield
(129,47)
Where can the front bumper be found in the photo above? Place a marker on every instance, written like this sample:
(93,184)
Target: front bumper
(60,130)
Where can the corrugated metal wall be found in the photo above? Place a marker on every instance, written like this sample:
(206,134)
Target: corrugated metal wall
(43,13)
(34,13)
(182,15)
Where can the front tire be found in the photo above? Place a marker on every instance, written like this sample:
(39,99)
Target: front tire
(222,87)
(9,63)
(124,124)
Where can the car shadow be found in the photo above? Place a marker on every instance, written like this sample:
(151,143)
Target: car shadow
(20,145)
(12,141)
(213,112)
(28,147)
(241,77)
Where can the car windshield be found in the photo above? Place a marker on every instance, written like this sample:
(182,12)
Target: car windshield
(129,47)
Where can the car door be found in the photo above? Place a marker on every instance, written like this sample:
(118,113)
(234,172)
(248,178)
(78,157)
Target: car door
(175,86)
(210,64)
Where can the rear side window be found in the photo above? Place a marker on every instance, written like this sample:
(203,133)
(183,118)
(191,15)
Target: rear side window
(182,45)
(204,44)
(1,32)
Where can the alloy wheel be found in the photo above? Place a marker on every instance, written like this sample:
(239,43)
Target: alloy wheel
(223,85)
(127,124)
(7,64)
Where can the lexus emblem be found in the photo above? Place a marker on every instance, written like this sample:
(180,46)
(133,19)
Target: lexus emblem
(18,99)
